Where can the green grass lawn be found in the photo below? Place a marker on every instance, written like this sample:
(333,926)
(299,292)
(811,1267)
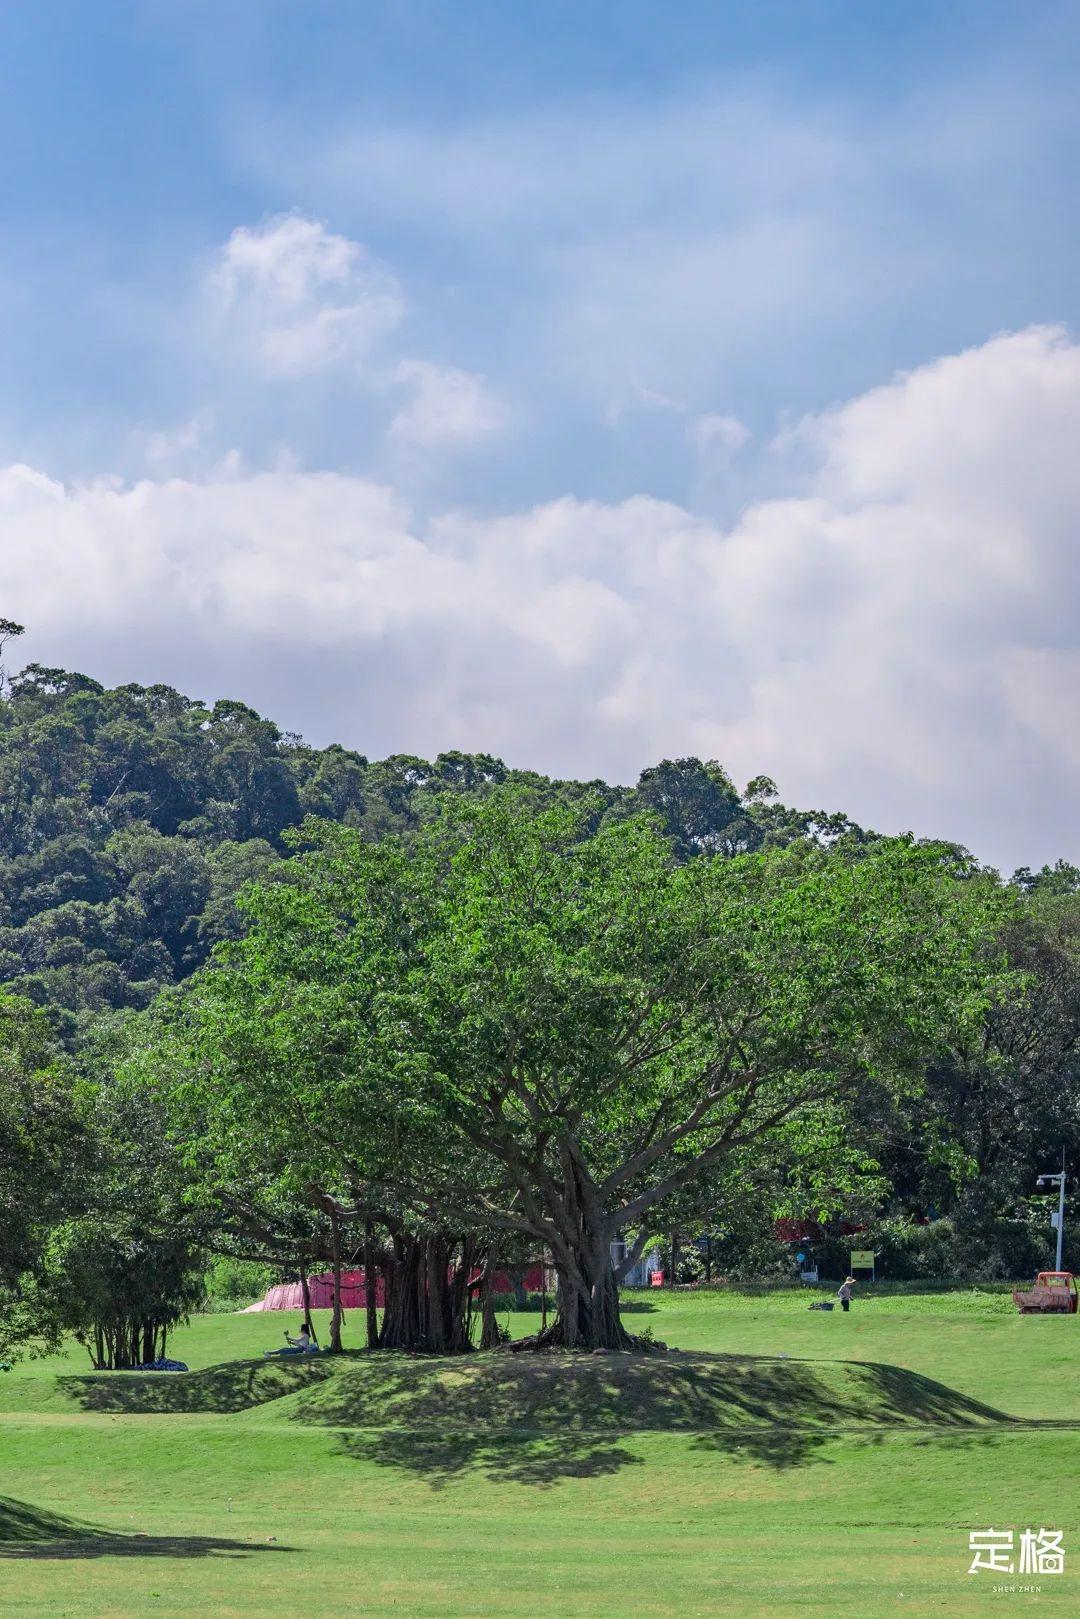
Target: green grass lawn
(777,1461)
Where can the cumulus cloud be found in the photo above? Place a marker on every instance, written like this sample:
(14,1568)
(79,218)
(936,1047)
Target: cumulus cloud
(301,297)
(291,300)
(897,638)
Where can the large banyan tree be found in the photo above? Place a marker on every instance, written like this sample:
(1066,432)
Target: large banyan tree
(515,1023)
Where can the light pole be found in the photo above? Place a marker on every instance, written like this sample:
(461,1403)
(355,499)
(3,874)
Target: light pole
(1059,1218)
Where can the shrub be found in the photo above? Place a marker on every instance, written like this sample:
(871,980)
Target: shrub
(233,1283)
(533,1301)
(996,1250)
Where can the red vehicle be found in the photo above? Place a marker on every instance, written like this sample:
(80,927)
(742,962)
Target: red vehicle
(1054,1293)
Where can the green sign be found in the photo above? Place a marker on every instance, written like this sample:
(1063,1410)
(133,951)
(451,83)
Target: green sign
(862,1259)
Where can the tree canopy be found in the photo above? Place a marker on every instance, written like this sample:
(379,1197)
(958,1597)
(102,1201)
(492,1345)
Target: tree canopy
(584,1022)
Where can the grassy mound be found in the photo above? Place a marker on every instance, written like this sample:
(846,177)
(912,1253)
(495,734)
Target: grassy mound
(545,1418)
(617,1393)
(682,1392)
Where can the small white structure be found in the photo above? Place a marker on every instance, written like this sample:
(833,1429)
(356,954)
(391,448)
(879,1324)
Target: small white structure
(638,1275)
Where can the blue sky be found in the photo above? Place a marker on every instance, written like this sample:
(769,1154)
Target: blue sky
(527,275)
(564,192)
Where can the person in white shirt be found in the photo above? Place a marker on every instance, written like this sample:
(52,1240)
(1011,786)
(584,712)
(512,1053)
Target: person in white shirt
(300,1345)
(843,1292)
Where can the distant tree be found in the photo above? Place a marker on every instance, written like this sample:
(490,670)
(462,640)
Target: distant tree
(1004,1102)
(231,868)
(698,807)
(9,631)
(41,1153)
(1060,878)
(333,783)
(121,1273)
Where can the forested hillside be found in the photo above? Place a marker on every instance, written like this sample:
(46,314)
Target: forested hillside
(131,818)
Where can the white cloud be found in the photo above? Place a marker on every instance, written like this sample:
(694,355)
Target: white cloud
(747,230)
(648,244)
(900,639)
(301,297)
(447,407)
(291,299)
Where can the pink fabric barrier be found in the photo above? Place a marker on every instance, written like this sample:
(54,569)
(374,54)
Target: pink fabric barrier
(289,1296)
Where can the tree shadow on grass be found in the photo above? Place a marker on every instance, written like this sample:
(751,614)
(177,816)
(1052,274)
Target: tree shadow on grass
(235,1386)
(540,1460)
(537,1420)
(31,1532)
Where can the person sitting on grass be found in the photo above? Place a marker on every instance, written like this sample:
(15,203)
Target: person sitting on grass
(303,1344)
(843,1292)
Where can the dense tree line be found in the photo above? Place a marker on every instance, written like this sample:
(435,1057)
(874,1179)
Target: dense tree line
(131,818)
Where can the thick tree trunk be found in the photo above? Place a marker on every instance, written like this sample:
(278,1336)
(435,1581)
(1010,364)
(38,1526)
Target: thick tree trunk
(489,1326)
(460,1264)
(305,1291)
(588,1291)
(435,1303)
(400,1324)
(371,1283)
(590,1318)
(587,1314)
(425,1303)
(335,1319)
(588,1304)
